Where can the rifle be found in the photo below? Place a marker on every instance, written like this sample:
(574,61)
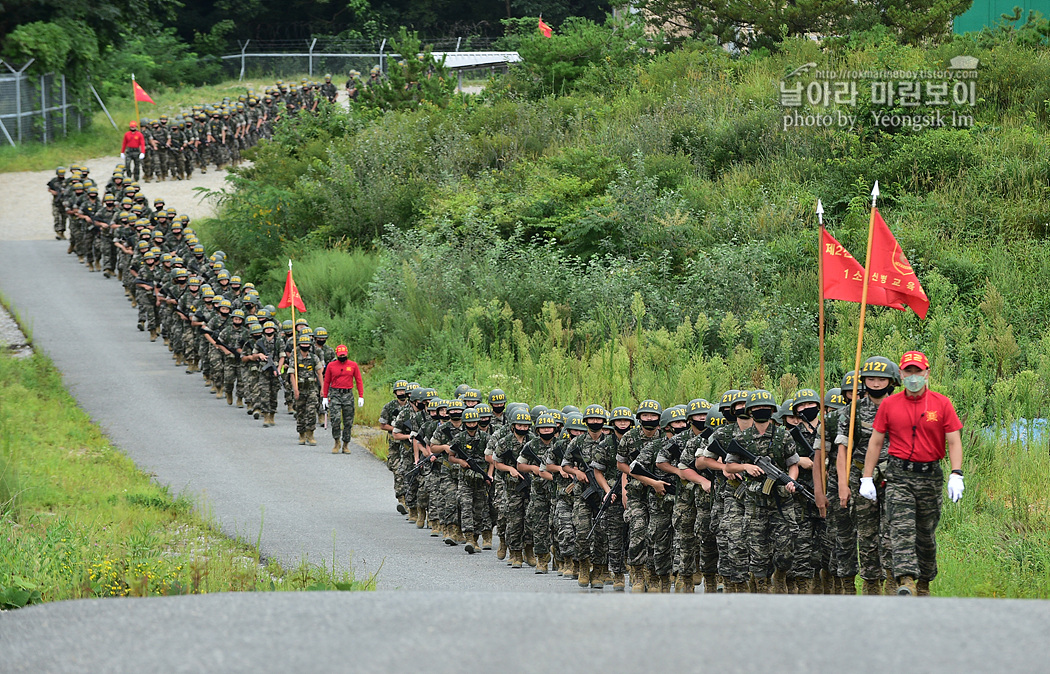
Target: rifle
(773,473)
(639,469)
(614,492)
(412,472)
(525,483)
(472,463)
(804,443)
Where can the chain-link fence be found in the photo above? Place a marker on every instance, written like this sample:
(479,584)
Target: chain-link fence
(35,107)
(279,59)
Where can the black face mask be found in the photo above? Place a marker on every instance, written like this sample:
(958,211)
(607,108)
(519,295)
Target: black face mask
(497,409)
(546,436)
(595,426)
(400,396)
(520,433)
(728,414)
(471,428)
(433,414)
(698,424)
(650,424)
(809,414)
(456,416)
(877,392)
(742,414)
(483,424)
(762,414)
(342,359)
(443,417)
(304,349)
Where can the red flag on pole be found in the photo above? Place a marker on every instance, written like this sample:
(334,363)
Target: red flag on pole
(844,277)
(291,295)
(890,270)
(544,28)
(140,93)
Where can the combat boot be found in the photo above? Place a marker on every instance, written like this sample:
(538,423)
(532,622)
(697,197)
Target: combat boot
(229,397)
(421,518)
(906,587)
(515,559)
(302,438)
(530,555)
(637,578)
(652,583)
(849,585)
(573,569)
(450,537)
(472,544)
(412,515)
(141,326)
(291,409)
(871,588)
(268,420)
(923,588)
(322,418)
(346,448)
(218,393)
(541,563)
(240,402)
(436,530)
(779,583)
(335,448)
(598,576)
(401,505)
(501,551)
(310,439)
(584,579)
(665,583)
(684,585)
(827,585)
(762,586)
(889,587)
(710,583)
(619,583)
(167,343)
(120,274)
(486,539)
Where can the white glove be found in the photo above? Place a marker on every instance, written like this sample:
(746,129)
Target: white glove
(324,403)
(121,156)
(360,402)
(867,488)
(142,155)
(955,487)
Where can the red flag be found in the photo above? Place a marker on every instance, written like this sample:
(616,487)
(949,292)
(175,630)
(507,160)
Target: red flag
(545,29)
(140,93)
(890,270)
(844,277)
(291,295)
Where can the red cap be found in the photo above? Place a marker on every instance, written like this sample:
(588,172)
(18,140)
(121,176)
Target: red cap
(341,350)
(915,358)
(133,124)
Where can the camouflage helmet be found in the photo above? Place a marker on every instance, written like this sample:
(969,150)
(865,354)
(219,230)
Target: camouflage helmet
(255,329)
(321,334)
(237,313)
(225,304)
(287,325)
(834,400)
(574,422)
(455,408)
(400,385)
(760,398)
(698,406)
(847,382)
(596,411)
(305,340)
(650,406)
(471,415)
(545,420)
(537,410)
(622,412)
(460,390)
(804,395)
(497,397)
(471,394)
(270,325)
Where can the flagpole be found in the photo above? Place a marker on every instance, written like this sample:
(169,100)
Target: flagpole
(295,344)
(135,98)
(860,331)
(822,475)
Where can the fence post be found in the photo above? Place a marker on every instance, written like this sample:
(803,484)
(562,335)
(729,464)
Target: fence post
(310,68)
(43,110)
(381,48)
(99,99)
(244,47)
(65,108)
(18,103)
(458,40)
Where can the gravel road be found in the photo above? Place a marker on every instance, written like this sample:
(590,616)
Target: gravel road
(31,218)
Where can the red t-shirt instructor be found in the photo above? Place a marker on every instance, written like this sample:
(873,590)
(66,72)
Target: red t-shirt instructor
(337,397)
(919,422)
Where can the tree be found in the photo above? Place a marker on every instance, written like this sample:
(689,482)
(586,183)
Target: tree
(919,21)
(416,79)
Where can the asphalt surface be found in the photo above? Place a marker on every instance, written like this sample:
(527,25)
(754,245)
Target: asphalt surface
(306,502)
(461,613)
(515,632)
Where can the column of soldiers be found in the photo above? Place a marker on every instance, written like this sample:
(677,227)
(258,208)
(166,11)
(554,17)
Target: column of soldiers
(730,497)
(212,322)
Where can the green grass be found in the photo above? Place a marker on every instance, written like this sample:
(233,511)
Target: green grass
(78,519)
(100,139)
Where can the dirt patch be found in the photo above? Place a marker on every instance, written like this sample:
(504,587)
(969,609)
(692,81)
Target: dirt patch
(29,218)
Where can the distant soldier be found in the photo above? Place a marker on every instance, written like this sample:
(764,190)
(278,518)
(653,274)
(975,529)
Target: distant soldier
(328,89)
(132,150)
(337,396)
(55,187)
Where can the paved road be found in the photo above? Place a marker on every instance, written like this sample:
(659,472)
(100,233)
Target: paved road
(307,501)
(508,632)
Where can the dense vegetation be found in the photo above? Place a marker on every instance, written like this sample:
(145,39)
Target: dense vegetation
(650,231)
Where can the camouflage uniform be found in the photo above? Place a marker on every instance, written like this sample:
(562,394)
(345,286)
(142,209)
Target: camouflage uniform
(309,400)
(770,523)
(659,533)
(811,526)
(913,511)
(409,421)
(538,510)
(388,415)
(705,547)
(579,454)
(731,537)
(613,526)
(637,507)
(269,381)
(144,298)
(448,475)
(515,498)
(472,494)
(563,529)
(57,211)
(683,516)
(233,336)
(859,531)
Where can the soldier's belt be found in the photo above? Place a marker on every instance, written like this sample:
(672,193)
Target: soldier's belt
(922,467)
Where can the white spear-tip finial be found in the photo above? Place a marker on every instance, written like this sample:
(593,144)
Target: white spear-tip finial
(874,193)
(820,211)
(289,264)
